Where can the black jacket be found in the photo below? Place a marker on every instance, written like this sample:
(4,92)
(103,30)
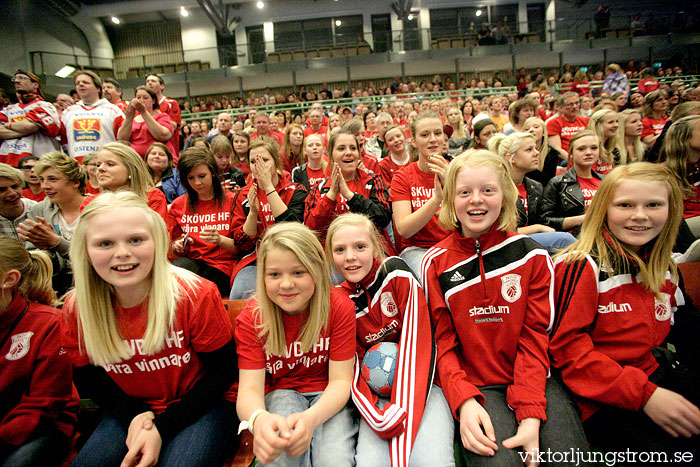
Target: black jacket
(563,198)
(534,204)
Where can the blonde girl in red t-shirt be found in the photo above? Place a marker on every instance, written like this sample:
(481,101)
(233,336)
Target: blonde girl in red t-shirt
(297,342)
(604,123)
(150,342)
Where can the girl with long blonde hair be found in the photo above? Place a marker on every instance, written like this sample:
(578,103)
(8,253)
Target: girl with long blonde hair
(151,343)
(618,297)
(296,343)
(628,136)
(604,123)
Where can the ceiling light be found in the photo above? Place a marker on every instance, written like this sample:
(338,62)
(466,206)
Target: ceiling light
(410,17)
(338,22)
(65,71)
(184,12)
(116,20)
(478,12)
(260,4)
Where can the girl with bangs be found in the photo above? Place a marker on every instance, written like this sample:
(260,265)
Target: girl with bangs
(398,155)
(240,159)
(349,188)
(618,298)
(166,177)
(295,343)
(414,426)
(270,197)
(200,221)
(312,172)
(151,343)
(628,137)
(490,295)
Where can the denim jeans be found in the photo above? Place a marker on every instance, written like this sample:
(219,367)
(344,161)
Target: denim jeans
(433,445)
(553,241)
(47,450)
(204,443)
(332,444)
(413,256)
(560,433)
(244,283)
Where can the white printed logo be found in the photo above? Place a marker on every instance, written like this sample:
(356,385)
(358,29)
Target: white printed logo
(20,346)
(388,305)
(510,287)
(456,277)
(662,309)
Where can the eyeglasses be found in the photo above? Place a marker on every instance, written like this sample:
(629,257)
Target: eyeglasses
(572,104)
(20,78)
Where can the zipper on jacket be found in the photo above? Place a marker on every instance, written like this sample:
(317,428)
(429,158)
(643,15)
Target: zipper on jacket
(482,272)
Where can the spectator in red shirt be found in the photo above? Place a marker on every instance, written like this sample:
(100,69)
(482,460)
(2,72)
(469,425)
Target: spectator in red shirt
(33,190)
(168,106)
(262,127)
(647,83)
(144,123)
(561,129)
(655,117)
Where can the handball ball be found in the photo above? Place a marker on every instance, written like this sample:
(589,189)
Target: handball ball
(378,366)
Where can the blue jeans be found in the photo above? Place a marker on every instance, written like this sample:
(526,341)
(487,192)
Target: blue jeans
(434,442)
(49,449)
(332,444)
(553,241)
(413,256)
(244,283)
(204,443)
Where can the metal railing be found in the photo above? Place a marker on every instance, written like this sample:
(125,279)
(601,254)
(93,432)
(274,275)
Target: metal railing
(339,45)
(351,101)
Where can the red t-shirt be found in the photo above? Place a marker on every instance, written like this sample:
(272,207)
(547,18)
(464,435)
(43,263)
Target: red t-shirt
(323,130)
(156,200)
(278,137)
(201,325)
(653,126)
(387,167)
(182,220)
(647,85)
(522,192)
(172,108)
(603,168)
(27,193)
(316,176)
(589,186)
(412,184)
(301,371)
(565,129)
(141,139)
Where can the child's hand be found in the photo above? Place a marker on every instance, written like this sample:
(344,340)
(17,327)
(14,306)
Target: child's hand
(210,235)
(476,429)
(271,437)
(144,450)
(527,437)
(303,428)
(253,199)
(180,245)
(674,413)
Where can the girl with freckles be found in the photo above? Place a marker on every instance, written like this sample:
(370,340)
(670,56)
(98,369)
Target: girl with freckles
(490,295)
(619,296)
(295,351)
(150,343)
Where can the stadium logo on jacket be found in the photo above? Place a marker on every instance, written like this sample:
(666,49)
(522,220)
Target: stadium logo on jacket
(662,309)
(20,346)
(510,287)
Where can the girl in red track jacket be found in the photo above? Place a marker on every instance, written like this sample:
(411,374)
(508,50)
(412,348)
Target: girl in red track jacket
(38,403)
(348,189)
(490,296)
(270,198)
(618,298)
(390,307)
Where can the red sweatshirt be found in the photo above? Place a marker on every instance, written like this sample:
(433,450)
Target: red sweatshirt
(36,383)
(491,304)
(390,307)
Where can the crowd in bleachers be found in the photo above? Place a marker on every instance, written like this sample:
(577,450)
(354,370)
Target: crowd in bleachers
(516,236)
